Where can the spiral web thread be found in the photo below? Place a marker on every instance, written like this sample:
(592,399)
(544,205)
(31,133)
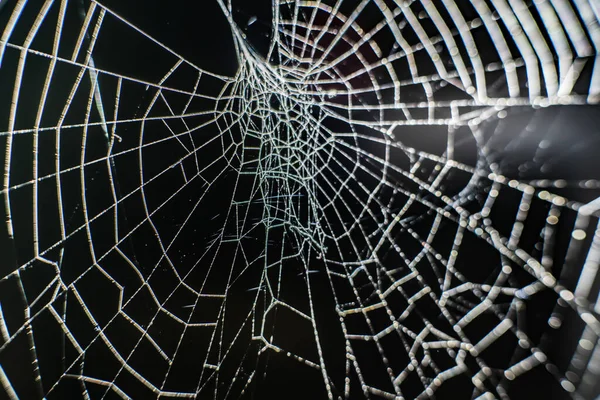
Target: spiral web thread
(316,140)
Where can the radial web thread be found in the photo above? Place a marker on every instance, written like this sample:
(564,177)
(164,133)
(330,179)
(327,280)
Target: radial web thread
(388,180)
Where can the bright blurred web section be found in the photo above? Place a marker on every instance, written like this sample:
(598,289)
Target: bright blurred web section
(384,196)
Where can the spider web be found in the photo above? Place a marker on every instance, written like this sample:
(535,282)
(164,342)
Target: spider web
(393,199)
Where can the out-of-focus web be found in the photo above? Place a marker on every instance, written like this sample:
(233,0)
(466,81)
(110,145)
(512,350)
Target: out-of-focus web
(332,136)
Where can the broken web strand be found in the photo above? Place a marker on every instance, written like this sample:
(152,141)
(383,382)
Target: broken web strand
(353,266)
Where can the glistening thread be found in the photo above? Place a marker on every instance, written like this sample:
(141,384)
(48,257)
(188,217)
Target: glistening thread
(388,199)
